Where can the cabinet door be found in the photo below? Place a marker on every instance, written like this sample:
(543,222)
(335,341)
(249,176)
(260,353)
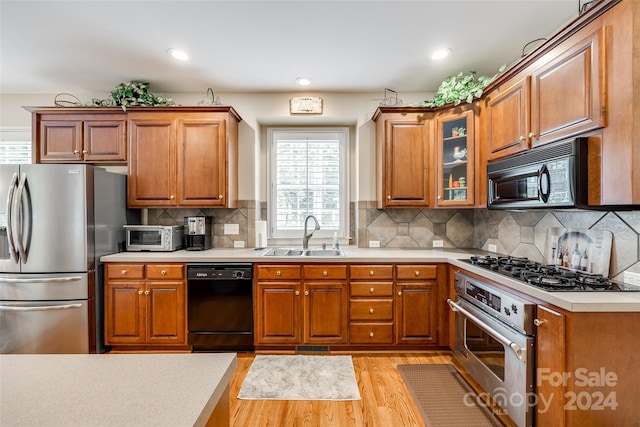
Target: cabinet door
(550,360)
(455,151)
(152,161)
(508,120)
(124,307)
(202,173)
(406,166)
(278,313)
(104,140)
(60,141)
(325,312)
(567,97)
(166,312)
(416,313)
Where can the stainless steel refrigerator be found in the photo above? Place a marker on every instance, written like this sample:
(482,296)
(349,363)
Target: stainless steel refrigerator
(56,221)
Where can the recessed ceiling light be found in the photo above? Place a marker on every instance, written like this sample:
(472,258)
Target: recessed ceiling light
(440,53)
(178,54)
(303,81)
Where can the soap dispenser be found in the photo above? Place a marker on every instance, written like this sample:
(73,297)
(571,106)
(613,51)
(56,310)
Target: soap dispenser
(336,245)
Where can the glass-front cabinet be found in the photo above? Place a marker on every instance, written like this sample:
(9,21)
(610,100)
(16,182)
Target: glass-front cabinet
(454,144)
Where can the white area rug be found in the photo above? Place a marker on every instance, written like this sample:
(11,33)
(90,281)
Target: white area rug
(300,377)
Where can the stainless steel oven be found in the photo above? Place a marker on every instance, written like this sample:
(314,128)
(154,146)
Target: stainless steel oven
(494,341)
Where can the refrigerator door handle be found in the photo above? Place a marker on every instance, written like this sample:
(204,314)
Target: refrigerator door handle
(20,213)
(48,280)
(40,307)
(12,247)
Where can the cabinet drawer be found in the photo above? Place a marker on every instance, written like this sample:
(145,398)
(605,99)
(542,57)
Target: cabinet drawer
(125,271)
(406,272)
(371,333)
(372,289)
(165,271)
(371,309)
(278,272)
(371,272)
(325,271)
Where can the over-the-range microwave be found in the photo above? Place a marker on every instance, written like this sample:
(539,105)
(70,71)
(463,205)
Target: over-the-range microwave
(550,176)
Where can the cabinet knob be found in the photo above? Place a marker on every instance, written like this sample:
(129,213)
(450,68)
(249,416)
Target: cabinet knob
(297,292)
(278,273)
(439,197)
(163,272)
(522,138)
(84,151)
(417,273)
(124,272)
(371,334)
(371,273)
(538,322)
(388,197)
(324,273)
(532,135)
(221,196)
(140,292)
(306,292)
(172,197)
(371,290)
(146,292)
(399,293)
(75,151)
(371,311)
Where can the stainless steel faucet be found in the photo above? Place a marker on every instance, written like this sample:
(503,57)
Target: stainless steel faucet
(307,235)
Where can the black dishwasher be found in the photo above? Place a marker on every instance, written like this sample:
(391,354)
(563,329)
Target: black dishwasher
(220,306)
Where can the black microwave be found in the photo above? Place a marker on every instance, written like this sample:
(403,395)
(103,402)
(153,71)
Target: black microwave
(549,176)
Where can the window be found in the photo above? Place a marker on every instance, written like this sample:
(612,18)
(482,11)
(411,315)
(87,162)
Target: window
(15,144)
(308,176)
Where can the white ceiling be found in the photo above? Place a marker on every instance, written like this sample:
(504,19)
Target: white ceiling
(262,46)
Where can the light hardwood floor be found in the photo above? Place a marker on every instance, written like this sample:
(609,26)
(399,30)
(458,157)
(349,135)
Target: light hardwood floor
(385,400)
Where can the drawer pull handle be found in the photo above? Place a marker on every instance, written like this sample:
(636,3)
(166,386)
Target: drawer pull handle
(306,292)
(124,272)
(371,290)
(278,273)
(163,272)
(140,292)
(371,334)
(371,273)
(297,292)
(146,292)
(371,310)
(324,273)
(417,273)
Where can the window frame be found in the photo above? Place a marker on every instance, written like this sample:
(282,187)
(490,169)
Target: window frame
(342,133)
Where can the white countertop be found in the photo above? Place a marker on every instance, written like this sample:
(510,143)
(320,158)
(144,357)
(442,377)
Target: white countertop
(570,301)
(112,389)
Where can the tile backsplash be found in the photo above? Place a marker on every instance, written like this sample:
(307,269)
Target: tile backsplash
(517,233)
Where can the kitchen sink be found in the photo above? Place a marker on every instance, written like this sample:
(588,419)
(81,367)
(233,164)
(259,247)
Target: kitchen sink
(294,252)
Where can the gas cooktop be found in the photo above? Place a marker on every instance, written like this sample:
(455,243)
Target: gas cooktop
(550,278)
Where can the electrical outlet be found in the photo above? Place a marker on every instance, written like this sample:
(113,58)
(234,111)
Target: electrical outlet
(238,244)
(632,278)
(232,229)
(374,243)
(438,243)
(492,248)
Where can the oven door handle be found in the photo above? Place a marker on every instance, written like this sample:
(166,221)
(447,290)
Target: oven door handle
(517,350)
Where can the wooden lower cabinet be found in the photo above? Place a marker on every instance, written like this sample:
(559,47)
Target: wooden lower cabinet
(145,306)
(382,306)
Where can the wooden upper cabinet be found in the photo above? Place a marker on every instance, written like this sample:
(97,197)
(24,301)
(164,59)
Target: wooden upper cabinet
(568,93)
(507,112)
(182,157)
(78,135)
(402,157)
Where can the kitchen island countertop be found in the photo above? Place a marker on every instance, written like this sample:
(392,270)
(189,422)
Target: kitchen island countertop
(112,389)
(570,301)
